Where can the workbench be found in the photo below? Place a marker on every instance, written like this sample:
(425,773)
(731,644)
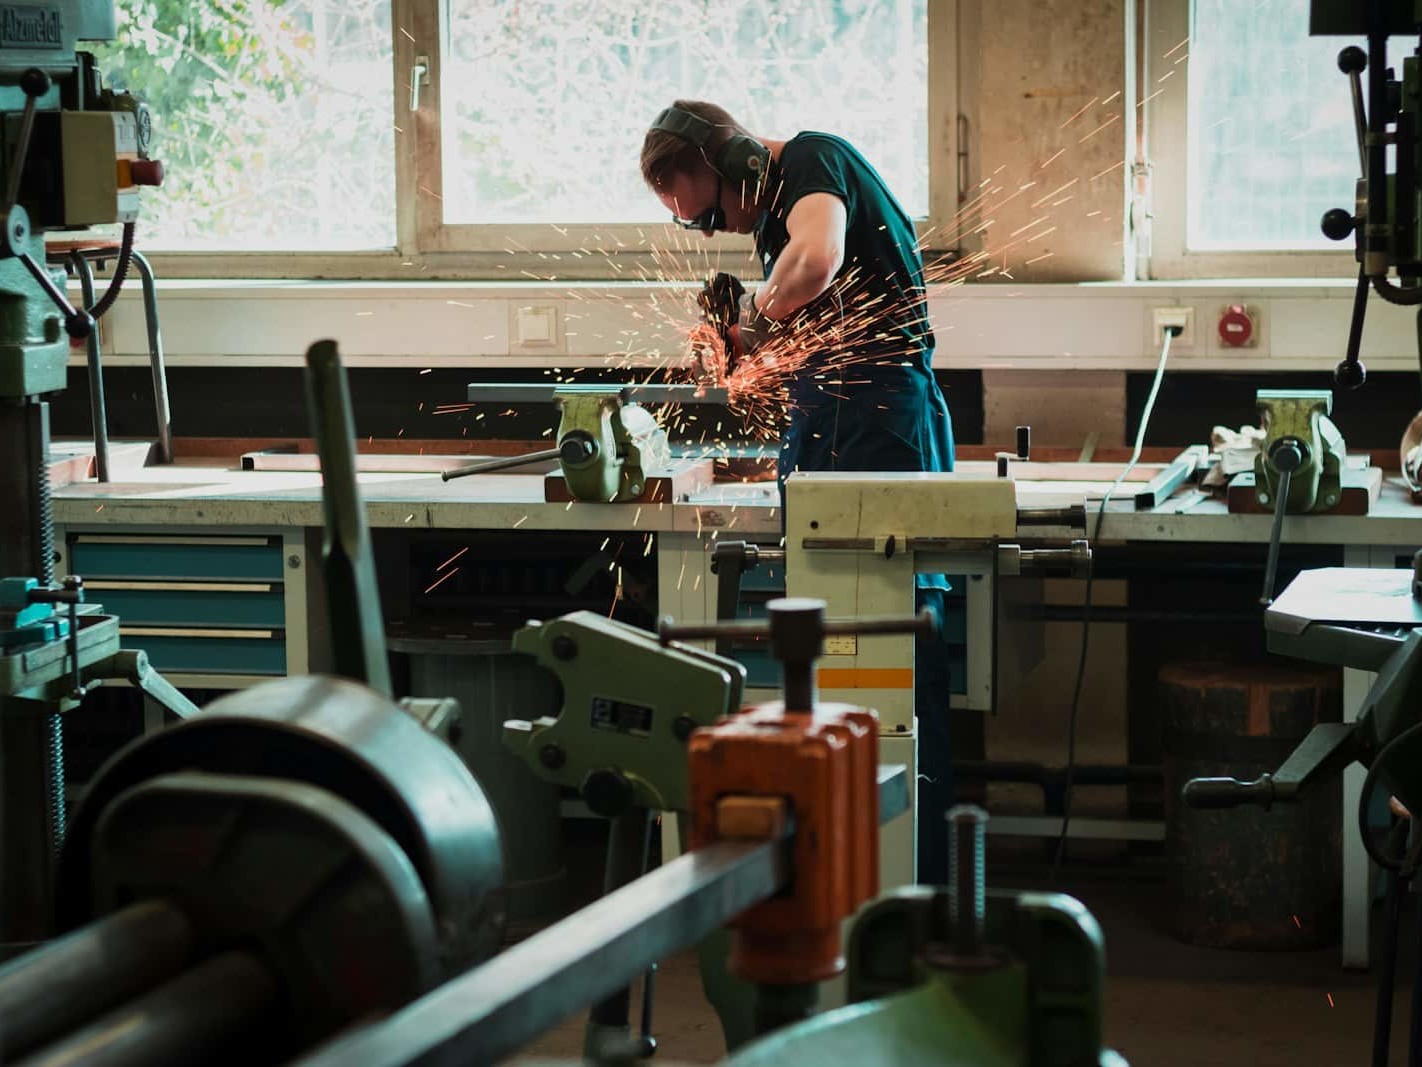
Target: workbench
(218,514)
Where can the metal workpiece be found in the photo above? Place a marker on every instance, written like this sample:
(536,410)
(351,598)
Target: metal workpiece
(350,741)
(549,392)
(628,707)
(66,982)
(1073,516)
(357,626)
(216,1012)
(496,1009)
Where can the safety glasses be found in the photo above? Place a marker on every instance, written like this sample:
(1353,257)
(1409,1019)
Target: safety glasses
(713,218)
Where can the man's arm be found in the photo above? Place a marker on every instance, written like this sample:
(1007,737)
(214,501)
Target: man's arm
(810,259)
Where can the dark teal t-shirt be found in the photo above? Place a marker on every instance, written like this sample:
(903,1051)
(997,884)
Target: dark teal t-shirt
(875,312)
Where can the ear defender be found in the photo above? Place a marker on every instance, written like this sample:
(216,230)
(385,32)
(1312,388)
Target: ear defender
(735,156)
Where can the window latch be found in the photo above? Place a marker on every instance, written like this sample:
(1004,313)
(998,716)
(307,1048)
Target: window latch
(419,76)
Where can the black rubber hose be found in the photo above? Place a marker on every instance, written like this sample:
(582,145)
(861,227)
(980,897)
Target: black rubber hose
(125,256)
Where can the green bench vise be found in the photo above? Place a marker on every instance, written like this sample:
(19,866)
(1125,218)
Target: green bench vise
(1303,453)
(609,445)
(957,976)
(629,706)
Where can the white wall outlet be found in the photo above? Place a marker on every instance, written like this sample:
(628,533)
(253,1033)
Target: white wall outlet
(1165,317)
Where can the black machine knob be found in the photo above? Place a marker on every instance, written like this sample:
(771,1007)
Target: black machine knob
(577,448)
(1338,224)
(1352,60)
(1350,373)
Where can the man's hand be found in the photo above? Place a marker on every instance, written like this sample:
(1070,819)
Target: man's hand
(720,300)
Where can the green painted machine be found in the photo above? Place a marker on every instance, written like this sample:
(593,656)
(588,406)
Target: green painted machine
(956,977)
(73,155)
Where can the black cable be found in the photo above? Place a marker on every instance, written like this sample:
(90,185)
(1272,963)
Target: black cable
(1095,538)
(1407,866)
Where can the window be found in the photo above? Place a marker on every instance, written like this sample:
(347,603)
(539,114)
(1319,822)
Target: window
(499,138)
(272,120)
(1251,139)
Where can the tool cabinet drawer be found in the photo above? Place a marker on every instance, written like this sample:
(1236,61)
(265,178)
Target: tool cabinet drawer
(193,558)
(177,650)
(165,603)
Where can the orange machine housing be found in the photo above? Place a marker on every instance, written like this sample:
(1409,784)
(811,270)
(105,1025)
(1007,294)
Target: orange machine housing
(823,767)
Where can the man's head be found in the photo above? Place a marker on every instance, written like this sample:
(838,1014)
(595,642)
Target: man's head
(706,167)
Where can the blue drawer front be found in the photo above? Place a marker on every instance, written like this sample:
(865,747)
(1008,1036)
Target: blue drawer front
(212,655)
(176,607)
(155,559)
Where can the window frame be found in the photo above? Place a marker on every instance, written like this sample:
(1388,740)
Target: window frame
(1167,136)
(428,249)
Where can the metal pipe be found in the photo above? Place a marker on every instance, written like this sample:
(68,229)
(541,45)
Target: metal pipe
(189,1020)
(155,359)
(69,981)
(28,833)
(98,412)
(486,1013)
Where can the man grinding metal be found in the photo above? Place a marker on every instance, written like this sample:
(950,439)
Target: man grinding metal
(840,324)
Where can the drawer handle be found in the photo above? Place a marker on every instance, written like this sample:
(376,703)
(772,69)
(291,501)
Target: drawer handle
(104,584)
(182,631)
(160,541)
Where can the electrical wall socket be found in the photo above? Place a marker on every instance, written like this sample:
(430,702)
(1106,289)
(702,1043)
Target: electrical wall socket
(1183,317)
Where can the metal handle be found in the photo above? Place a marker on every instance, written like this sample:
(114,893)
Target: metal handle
(1228,792)
(35,83)
(925,622)
(419,75)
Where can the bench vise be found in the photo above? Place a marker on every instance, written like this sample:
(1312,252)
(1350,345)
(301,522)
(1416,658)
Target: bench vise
(1303,453)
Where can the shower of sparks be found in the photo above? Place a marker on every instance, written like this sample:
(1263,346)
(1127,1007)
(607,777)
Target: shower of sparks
(832,343)
(452,558)
(441,580)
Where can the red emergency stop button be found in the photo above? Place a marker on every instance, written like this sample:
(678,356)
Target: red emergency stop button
(1236,327)
(146,171)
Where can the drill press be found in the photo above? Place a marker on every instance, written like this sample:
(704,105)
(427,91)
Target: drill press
(71,156)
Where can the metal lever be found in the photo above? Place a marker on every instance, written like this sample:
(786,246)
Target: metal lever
(797,628)
(1329,747)
(353,599)
(1352,61)
(502,463)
